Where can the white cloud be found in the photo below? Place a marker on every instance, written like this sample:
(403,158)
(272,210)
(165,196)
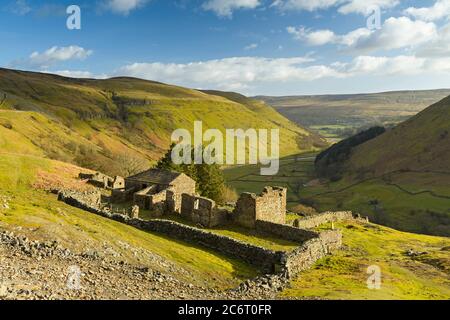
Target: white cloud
(57,54)
(241,74)
(440,9)
(124,6)
(251,46)
(72,73)
(395,33)
(313,38)
(345,6)
(365,6)
(225,8)
(229,73)
(20,7)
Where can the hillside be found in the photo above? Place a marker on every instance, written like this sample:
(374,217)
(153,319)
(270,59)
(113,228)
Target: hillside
(121,262)
(120,125)
(340,116)
(401,178)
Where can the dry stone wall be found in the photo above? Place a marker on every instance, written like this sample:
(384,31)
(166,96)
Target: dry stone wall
(322,218)
(287,264)
(309,252)
(202,211)
(285,232)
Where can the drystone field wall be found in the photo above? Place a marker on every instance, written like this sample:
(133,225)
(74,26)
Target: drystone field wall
(285,232)
(202,211)
(288,264)
(308,253)
(322,218)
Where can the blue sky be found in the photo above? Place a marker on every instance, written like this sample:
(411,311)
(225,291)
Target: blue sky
(271,47)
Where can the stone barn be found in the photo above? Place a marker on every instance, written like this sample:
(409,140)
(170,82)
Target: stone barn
(269,206)
(202,211)
(153,187)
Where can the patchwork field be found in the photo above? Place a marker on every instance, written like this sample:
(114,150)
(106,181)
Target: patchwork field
(409,201)
(295,172)
(340,116)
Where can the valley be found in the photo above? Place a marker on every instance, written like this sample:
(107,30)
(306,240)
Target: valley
(340,116)
(54,128)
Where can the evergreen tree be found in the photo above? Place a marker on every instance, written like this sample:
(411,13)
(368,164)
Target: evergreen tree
(209,178)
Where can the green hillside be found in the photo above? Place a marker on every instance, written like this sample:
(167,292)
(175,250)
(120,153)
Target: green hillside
(401,178)
(340,116)
(35,213)
(121,125)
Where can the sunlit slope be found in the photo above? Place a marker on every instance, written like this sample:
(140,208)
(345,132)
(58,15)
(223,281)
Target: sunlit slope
(412,267)
(119,118)
(37,214)
(401,178)
(421,143)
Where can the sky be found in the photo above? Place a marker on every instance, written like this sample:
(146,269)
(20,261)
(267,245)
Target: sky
(255,47)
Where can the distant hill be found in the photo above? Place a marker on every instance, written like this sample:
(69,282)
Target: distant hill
(121,125)
(400,178)
(421,143)
(340,116)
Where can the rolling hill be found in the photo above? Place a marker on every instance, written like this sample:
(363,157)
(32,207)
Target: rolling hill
(340,116)
(121,262)
(121,125)
(400,178)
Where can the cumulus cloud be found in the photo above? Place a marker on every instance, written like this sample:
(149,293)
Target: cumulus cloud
(344,6)
(123,6)
(225,8)
(366,6)
(229,73)
(249,73)
(72,73)
(440,9)
(395,33)
(52,56)
(58,54)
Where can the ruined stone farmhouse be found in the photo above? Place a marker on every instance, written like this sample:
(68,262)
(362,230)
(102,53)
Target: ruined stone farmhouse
(156,189)
(269,206)
(103,181)
(167,192)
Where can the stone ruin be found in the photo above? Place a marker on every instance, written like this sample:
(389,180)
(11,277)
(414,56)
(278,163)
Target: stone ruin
(269,206)
(202,211)
(165,192)
(155,190)
(101,180)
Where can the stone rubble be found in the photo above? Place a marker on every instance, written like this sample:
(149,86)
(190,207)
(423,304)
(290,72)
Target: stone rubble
(33,270)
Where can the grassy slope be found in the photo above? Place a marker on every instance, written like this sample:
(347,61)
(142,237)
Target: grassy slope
(344,275)
(95,123)
(335,113)
(405,170)
(39,215)
(420,143)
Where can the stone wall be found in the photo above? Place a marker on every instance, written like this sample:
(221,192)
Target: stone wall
(202,211)
(270,206)
(287,264)
(122,195)
(322,218)
(284,231)
(308,253)
(264,259)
